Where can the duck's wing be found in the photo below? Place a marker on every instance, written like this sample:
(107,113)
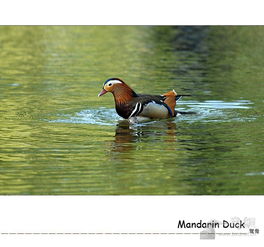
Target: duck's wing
(163,97)
(152,106)
(168,100)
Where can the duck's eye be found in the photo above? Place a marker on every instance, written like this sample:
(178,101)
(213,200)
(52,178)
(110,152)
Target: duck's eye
(110,84)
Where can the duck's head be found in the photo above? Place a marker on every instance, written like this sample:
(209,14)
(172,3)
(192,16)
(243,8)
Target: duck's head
(121,91)
(111,85)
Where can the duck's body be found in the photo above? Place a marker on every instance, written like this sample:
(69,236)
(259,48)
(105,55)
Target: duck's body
(130,104)
(151,106)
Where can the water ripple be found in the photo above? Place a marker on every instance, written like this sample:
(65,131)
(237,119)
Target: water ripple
(207,111)
(101,116)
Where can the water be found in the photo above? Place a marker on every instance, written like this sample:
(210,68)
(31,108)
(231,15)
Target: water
(58,137)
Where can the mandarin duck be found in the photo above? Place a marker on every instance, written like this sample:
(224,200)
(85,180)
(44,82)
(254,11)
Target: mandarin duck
(129,104)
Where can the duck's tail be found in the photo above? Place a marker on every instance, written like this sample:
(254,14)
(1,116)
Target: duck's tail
(184,112)
(181,95)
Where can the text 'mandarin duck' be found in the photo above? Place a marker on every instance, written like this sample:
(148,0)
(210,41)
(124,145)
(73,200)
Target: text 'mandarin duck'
(130,104)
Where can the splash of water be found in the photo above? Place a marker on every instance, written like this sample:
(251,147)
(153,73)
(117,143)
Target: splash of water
(207,111)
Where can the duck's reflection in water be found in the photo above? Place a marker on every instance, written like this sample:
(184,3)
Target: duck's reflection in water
(128,135)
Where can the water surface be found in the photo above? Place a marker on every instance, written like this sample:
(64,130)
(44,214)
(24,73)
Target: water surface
(58,137)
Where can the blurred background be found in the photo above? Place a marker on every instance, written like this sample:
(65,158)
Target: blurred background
(58,137)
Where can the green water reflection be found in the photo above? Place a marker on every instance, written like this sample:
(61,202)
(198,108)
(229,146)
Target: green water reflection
(50,74)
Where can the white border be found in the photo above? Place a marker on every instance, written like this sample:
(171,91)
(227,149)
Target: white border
(121,214)
(131,12)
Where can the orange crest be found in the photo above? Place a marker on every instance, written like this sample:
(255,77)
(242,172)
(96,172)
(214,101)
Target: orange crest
(171,100)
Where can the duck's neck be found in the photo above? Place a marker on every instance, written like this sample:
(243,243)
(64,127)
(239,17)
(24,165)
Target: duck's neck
(123,94)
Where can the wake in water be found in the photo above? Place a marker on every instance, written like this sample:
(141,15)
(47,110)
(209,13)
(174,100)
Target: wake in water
(189,111)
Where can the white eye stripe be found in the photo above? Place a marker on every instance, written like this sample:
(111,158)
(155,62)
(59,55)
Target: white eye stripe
(110,83)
